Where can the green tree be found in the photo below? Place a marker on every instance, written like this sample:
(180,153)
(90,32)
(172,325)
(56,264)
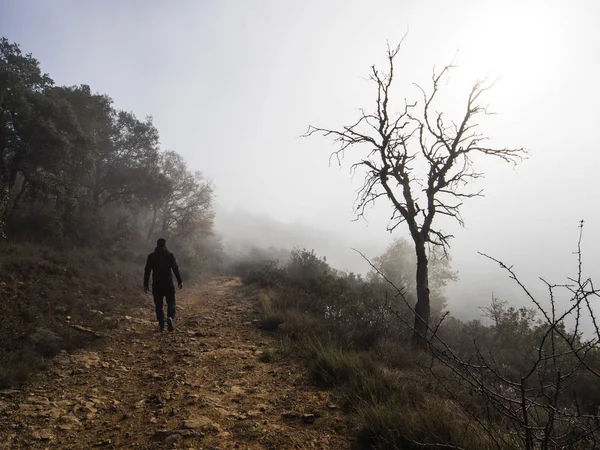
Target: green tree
(183,207)
(21,81)
(398,264)
(42,145)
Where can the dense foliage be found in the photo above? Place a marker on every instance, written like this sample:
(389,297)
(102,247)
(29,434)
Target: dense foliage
(73,168)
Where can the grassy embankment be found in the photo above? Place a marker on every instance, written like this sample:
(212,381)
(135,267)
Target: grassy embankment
(57,299)
(350,345)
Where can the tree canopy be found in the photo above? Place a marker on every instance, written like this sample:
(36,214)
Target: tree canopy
(70,159)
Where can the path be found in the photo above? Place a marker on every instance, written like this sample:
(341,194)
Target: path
(201,387)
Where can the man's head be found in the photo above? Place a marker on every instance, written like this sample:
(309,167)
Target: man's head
(161,243)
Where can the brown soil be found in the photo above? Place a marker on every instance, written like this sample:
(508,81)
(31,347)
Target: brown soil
(201,387)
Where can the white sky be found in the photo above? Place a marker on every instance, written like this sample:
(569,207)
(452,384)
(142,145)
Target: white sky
(232,84)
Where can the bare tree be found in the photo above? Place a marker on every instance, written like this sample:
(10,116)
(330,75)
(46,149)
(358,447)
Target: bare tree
(417,155)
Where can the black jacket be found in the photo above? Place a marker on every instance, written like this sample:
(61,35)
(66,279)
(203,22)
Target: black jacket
(160,263)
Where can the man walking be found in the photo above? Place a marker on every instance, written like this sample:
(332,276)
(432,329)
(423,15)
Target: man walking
(161,262)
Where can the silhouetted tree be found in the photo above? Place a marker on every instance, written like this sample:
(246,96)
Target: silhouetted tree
(84,169)
(418,155)
(398,264)
(185,202)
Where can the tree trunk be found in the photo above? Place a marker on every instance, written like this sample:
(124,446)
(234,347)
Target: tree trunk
(422,307)
(14,199)
(152,223)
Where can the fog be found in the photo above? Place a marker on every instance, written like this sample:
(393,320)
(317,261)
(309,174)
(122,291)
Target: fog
(233,85)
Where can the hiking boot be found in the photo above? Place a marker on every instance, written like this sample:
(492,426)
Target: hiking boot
(170,325)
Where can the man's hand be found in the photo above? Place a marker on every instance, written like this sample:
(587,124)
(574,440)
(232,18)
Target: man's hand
(180,285)
(146,289)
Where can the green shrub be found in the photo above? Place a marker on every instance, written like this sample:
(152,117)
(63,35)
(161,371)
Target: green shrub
(266,356)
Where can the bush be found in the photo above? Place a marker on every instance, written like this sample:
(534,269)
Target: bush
(342,326)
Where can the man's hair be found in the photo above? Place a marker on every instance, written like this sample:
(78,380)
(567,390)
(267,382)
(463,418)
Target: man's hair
(161,243)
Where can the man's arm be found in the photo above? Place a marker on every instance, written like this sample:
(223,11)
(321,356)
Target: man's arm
(175,268)
(147,271)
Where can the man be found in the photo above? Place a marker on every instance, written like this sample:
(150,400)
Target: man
(161,262)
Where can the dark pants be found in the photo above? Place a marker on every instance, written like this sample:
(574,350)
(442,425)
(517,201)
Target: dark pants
(159,294)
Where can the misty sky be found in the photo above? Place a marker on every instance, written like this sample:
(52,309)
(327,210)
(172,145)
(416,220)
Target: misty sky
(233,84)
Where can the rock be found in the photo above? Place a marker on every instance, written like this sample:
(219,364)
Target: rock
(54,413)
(332,406)
(236,390)
(45,340)
(189,434)
(98,403)
(9,392)
(173,439)
(162,434)
(87,360)
(201,423)
(308,418)
(88,331)
(195,333)
(43,435)
(290,415)
(88,410)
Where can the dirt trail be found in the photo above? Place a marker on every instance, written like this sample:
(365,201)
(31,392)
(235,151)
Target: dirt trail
(201,387)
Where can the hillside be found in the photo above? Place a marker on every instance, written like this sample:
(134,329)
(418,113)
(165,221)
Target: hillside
(210,384)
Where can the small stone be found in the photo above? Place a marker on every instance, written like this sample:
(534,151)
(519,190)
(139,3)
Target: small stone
(43,435)
(291,415)
(70,421)
(162,434)
(173,439)
(9,392)
(188,434)
(308,418)
(201,423)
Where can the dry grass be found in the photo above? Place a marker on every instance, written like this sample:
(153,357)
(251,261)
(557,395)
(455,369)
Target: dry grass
(45,291)
(269,316)
(394,403)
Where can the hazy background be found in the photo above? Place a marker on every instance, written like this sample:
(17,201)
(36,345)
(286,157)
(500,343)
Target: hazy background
(232,84)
